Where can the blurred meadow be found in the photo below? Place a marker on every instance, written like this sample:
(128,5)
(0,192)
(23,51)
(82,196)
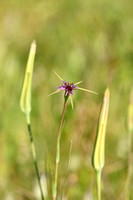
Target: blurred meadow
(85,40)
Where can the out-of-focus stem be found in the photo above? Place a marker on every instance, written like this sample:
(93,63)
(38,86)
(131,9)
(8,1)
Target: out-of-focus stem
(58,152)
(130,160)
(34,158)
(67,169)
(130,137)
(98,185)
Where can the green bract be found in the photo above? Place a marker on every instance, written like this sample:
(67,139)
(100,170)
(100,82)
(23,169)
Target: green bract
(25,100)
(130,113)
(99,148)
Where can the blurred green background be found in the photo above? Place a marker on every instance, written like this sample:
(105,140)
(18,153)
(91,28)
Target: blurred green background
(81,40)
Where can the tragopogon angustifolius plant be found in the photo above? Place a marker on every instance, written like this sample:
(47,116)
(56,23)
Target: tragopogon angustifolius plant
(98,157)
(25,105)
(69,89)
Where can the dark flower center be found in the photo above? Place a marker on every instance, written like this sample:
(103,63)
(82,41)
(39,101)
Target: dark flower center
(69,88)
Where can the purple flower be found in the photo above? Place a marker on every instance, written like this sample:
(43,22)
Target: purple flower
(68,87)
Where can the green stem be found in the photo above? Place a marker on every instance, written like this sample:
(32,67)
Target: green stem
(69,157)
(58,152)
(35,159)
(128,181)
(99,185)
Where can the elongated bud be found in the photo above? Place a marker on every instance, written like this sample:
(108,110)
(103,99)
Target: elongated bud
(130,113)
(25,100)
(99,148)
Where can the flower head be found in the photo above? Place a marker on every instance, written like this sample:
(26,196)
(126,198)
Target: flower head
(69,88)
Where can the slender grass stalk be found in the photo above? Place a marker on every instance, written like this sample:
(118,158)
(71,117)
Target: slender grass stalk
(25,105)
(58,151)
(99,147)
(35,159)
(69,157)
(130,159)
(98,185)
(129,163)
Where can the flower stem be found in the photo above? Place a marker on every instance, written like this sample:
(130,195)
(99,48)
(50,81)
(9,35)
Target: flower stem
(69,157)
(35,159)
(58,151)
(99,185)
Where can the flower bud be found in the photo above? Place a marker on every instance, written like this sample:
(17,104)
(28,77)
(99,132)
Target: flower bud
(25,100)
(99,148)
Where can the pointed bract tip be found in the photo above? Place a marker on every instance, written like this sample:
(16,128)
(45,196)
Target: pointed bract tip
(107,93)
(57,75)
(33,45)
(131,95)
(78,83)
(54,71)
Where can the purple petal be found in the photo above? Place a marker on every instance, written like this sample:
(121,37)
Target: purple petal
(64,82)
(66,93)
